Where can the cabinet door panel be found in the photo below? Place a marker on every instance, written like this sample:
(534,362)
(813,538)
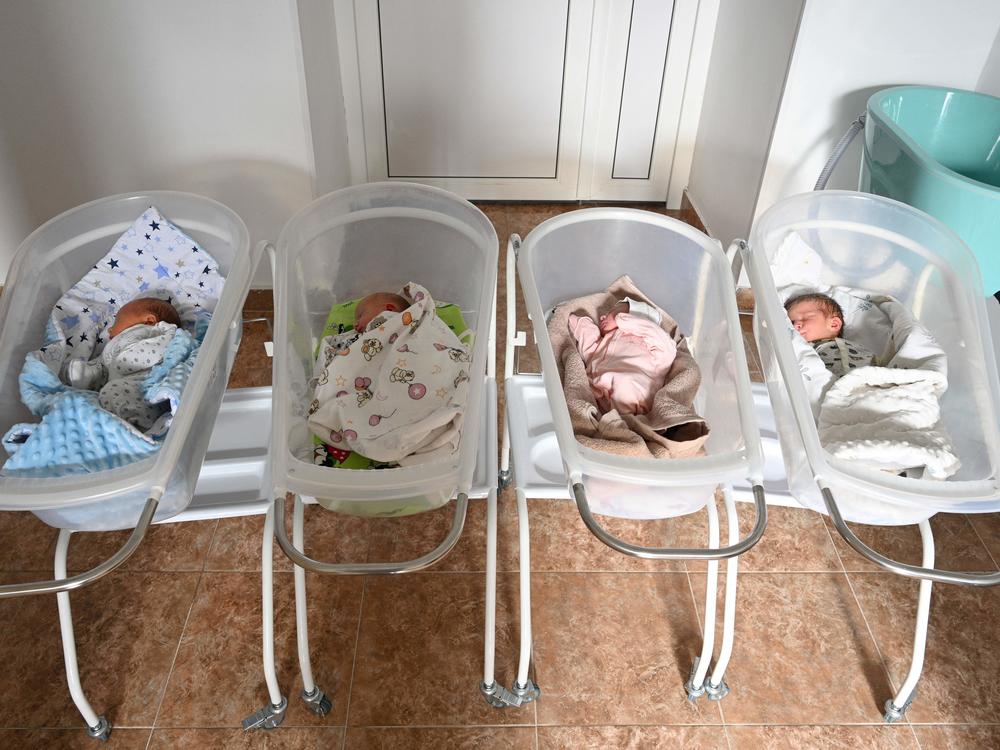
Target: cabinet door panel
(458,102)
(640,53)
(524,99)
(644,61)
(480,97)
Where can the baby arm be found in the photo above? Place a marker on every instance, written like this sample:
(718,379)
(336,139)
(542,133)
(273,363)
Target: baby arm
(586,334)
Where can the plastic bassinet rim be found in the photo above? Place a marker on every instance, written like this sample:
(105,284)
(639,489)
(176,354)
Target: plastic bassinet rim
(289,472)
(902,491)
(153,473)
(743,463)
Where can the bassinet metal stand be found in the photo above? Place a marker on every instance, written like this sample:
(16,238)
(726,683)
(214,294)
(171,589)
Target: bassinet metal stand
(700,682)
(97,726)
(896,707)
(271,715)
(316,700)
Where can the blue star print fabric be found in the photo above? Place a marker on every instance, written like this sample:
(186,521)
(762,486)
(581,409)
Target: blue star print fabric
(153,258)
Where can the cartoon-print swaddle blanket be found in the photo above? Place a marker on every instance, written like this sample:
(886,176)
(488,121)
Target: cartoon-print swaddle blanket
(153,258)
(396,392)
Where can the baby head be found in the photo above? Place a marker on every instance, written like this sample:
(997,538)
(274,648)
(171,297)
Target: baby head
(374,304)
(609,322)
(815,316)
(147,311)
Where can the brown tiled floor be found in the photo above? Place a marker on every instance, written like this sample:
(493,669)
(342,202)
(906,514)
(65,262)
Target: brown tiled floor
(170,645)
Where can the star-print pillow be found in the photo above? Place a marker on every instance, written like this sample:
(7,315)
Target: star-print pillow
(153,258)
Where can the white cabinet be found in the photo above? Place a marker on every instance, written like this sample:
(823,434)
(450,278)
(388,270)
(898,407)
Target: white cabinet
(522,99)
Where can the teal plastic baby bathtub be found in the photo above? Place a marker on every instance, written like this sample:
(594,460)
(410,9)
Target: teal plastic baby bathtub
(938,150)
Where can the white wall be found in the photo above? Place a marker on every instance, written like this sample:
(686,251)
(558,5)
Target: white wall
(989,80)
(108,96)
(15,221)
(750,54)
(846,51)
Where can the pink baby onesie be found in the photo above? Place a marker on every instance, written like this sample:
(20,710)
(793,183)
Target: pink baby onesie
(626,366)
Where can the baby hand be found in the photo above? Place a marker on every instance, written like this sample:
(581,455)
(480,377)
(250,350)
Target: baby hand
(609,322)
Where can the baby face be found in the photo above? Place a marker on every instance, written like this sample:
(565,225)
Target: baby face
(374,304)
(812,322)
(609,322)
(132,314)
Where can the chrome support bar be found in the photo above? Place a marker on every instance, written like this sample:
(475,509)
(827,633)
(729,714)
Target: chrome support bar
(407,566)
(663,553)
(902,569)
(82,579)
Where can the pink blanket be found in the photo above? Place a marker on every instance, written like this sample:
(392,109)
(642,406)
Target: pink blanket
(671,428)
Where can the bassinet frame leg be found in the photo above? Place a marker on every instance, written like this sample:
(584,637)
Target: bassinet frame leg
(716,687)
(488,687)
(895,708)
(315,699)
(97,726)
(524,688)
(735,548)
(271,715)
(695,685)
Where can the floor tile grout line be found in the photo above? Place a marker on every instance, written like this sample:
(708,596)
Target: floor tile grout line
(864,616)
(836,550)
(871,634)
(354,661)
(725,733)
(981,541)
(913,733)
(177,649)
(180,637)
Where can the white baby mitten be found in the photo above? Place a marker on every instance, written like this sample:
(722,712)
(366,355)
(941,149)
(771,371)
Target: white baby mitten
(83,374)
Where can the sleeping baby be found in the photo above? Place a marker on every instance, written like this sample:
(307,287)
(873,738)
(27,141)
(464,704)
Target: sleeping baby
(395,388)
(137,341)
(819,319)
(627,355)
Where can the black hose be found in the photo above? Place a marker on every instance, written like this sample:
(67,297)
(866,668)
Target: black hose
(838,151)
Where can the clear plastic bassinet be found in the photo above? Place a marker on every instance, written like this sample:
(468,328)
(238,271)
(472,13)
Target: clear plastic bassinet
(51,260)
(686,274)
(877,244)
(343,246)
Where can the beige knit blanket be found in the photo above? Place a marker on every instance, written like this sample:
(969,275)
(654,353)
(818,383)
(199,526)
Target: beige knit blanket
(671,429)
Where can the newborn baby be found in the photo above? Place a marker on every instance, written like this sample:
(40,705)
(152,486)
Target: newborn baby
(627,355)
(137,340)
(367,309)
(393,389)
(819,319)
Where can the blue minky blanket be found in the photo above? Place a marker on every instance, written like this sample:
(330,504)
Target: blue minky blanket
(75,435)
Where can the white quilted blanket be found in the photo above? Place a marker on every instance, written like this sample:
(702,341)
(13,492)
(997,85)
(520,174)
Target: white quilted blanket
(888,418)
